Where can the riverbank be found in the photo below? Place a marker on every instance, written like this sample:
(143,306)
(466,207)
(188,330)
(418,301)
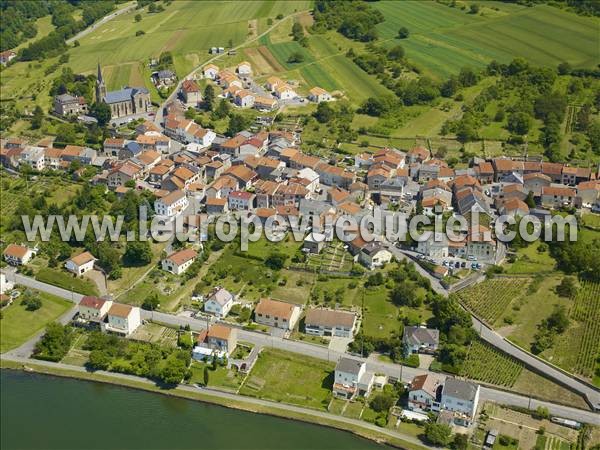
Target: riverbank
(248,404)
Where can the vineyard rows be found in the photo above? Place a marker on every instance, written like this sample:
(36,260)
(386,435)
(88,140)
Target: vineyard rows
(586,309)
(488,365)
(489,299)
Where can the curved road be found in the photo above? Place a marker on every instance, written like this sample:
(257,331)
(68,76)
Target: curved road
(101,22)
(158,119)
(316,351)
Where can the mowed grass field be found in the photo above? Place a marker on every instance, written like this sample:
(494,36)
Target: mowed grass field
(18,324)
(186,28)
(325,64)
(444,39)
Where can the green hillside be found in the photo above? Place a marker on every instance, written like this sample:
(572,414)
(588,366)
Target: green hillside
(444,39)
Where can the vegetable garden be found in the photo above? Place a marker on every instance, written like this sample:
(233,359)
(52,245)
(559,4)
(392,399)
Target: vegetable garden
(489,299)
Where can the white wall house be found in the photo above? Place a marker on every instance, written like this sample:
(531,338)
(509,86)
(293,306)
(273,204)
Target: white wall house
(172,204)
(276,314)
(374,255)
(93,308)
(81,263)
(434,247)
(5,285)
(178,262)
(425,392)
(17,255)
(351,378)
(210,71)
(123,319)
(327,322)
(462,398)
(219,302)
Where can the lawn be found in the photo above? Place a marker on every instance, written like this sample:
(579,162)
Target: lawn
(530,260)
(66,280)
(444,39)
(186,28)
(380,316)
(18,325)
(221,377)
(290,378)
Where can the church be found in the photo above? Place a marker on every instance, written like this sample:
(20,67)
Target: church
(124,102)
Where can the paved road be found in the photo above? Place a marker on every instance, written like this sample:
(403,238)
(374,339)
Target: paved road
(101,22)
(487,334)
(236,398)
(435,283)
(592,395)
(158,119)
(317,351)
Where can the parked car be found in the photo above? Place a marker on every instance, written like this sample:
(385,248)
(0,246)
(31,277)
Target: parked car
(463,264)
(471,258)
(473,266)
(457,265)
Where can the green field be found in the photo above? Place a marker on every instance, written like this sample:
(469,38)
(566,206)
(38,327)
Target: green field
(444,39)
(65,280)
(17,324)
(186,28)
(490,298)
(485,363)
(290,378)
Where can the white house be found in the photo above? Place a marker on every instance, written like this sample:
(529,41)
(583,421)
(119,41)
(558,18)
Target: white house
(284,92)
(93,308)
(219,302)
(276,314)
(210,71)
(81,263)
(461,397)
(244,98)
(178,262)
(313,178)
(241,200)
(5,285)
(328,322)
(195,134)
(17,255)
(34,156)
(435,247)
(172,204)
(244,68)
(420,340)
(351,378)
(425,393)
(319,95)
(123,319)
(374,255)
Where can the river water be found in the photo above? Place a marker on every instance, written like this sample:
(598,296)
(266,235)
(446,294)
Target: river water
(44,412)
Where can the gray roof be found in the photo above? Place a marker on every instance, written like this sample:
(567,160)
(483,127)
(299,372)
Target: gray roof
(349,365)
(221,296)
(66,98)
(462,390)
(165,74)
(372,248)
(420,335)
(313,206)
(123,95)
(134,147)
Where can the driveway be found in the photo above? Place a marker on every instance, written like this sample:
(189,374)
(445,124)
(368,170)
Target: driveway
(339,344)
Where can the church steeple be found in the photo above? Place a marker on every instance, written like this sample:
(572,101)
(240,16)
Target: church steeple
(100,86)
